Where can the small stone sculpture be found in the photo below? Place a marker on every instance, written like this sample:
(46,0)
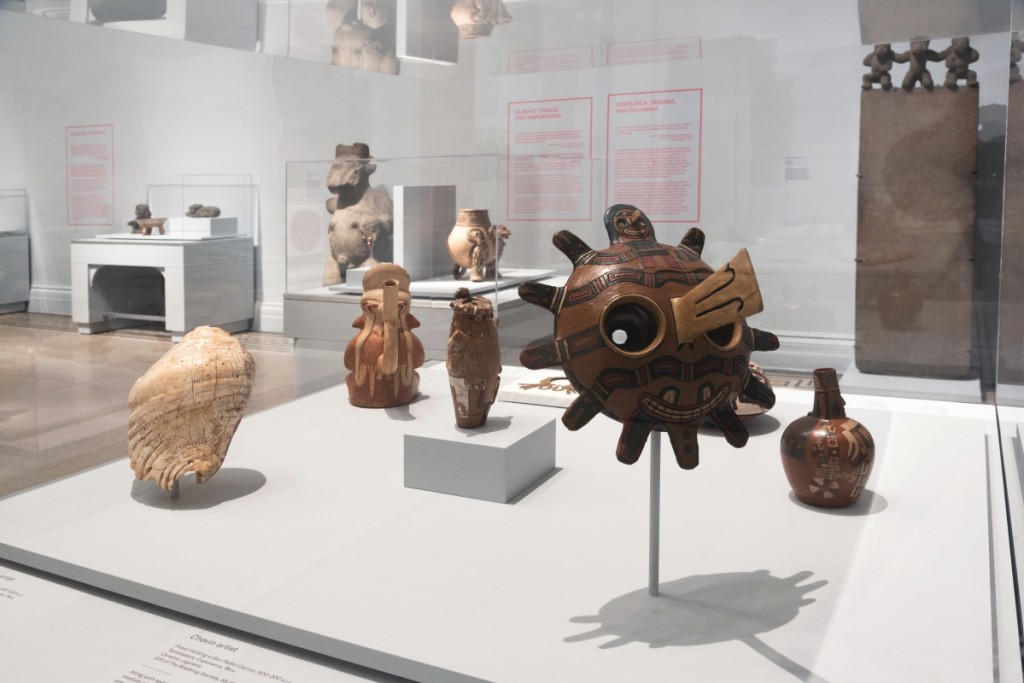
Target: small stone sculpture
(202,211)
(880,61)
(918,56)
(382,358)
(959,56)
(649,335)
(477,18)
(474,358)
(186,407)
(475,245)
(141,212)
(827,456)
(362,217)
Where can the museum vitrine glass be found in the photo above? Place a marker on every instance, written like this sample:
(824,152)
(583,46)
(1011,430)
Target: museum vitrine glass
(14,250)
(863,153)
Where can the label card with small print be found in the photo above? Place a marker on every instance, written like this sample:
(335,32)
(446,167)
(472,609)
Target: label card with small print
(199,655)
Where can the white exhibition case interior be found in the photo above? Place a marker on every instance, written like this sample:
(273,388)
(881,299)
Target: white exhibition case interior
(308,536)
(170,162)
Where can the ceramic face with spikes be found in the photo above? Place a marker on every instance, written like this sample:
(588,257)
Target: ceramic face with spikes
(651,336)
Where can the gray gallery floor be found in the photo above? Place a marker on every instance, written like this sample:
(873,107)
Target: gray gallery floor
(63,395)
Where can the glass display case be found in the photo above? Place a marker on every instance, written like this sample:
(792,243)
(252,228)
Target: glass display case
(14,251)
(863,153)
(184,259)
(432,207)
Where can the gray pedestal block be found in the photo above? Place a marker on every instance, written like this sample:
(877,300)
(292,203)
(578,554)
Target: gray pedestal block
(496,462)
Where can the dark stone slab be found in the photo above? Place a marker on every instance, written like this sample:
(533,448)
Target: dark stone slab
(915,227)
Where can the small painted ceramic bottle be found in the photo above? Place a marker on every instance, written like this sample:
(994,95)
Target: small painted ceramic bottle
(827,455)
(474,358)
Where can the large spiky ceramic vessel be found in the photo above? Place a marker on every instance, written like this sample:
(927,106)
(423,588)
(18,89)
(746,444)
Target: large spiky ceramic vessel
(186,407)
(650,336)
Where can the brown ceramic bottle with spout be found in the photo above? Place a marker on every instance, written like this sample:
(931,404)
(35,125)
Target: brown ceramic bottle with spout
(827,456)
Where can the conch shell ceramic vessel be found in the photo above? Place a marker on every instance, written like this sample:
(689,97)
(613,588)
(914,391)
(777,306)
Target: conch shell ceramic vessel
(383,357)
(185,409)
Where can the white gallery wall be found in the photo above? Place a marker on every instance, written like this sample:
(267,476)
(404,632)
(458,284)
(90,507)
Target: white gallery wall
(176,109)
(780,91)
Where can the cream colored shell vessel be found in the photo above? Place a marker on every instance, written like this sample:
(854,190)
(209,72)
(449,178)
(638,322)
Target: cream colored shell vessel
(185,409)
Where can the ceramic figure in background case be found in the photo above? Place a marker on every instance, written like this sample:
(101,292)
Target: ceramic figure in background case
(144,223)
(475,245)
(473,359)
(362,217)
(477,18)
(202,211)
(827,456)
(186,407)
(651,336)
(382,358)
(363,34)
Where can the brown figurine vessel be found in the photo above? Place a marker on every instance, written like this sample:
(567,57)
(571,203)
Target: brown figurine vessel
(384,356)
(827,455)
(474,358)
(651,336)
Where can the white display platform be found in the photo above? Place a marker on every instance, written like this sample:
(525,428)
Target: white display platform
(14,271)
(154,237)
(202,228)
(103,640)
(308,537)
(206,282)
(446,286)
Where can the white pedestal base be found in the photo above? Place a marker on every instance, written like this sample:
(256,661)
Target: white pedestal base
(496,462)
(207,282)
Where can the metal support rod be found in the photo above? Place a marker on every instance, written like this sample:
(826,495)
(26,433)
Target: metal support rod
(655,529)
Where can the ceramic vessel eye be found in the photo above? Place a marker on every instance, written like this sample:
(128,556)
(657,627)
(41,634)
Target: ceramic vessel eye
(727,337)
(633,325)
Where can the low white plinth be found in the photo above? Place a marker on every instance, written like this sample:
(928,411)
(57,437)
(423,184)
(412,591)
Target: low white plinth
(202,227)
(496,462)
(206,282)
